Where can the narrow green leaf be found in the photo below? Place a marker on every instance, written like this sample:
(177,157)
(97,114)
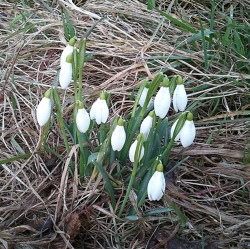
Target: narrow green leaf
(178,23)
(92,157)
(196,37)
(108,184)
(68,27)
(151,4)
(158,211)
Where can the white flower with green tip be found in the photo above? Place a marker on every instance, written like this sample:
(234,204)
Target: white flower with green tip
(67,51)
(180,96)
(157,184)
(99,110)
(162,99)
(118,137)
(146,124)
(44,108)
(144,96)
(133,149)
(82,118)
(187,132)
(65,74)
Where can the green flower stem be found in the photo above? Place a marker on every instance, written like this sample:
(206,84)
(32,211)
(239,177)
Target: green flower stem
(82,56)
(142,199)
(60,121)
(102,132)
(78,64)
(132,178)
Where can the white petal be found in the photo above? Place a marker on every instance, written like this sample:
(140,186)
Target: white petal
(187,133)
(181,98)
(67,51)
(175,100)
(43,111)
(132,152)
(118,138)
(177,138)
(104,110)
(99,111)
(162,102)
(82,120)
(93,109)
(143,96)
(156,186)
(146,126)
(65,75)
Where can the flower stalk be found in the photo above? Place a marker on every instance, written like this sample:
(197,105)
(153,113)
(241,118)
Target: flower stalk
(139,147)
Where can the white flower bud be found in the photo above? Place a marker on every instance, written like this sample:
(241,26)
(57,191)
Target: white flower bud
(162,102)
(118,138)
(156,185)
(132,151)
(43,111)
(82,120)
(99,111)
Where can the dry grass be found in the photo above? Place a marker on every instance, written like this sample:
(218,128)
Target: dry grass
(42,206)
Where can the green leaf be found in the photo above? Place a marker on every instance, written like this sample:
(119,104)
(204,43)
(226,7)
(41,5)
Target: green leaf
(108,184)
(68,27)
(158,211)
(196,37)
(178,23)
(92,157)
(151,4)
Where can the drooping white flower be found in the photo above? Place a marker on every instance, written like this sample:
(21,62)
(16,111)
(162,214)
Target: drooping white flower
(67,51)
(144,95)
(146,124)
(82,118)
(132,151)
(162,100)
(180,96)
(43,110)
(65,75)
(188,131)
(118,137)
(156,184)
(99,110)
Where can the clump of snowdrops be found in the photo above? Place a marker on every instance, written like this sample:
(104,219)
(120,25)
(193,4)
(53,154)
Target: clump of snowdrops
(136,146)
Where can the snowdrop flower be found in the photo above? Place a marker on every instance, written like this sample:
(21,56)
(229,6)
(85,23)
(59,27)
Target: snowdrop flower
(82,118)
(156,184)
(133,149)
(188,131)
(43,110)
(180,96)
(65,75)
(67,51)
(118,137)
(144,95)
(99,110)
(146,124)
(162,99)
